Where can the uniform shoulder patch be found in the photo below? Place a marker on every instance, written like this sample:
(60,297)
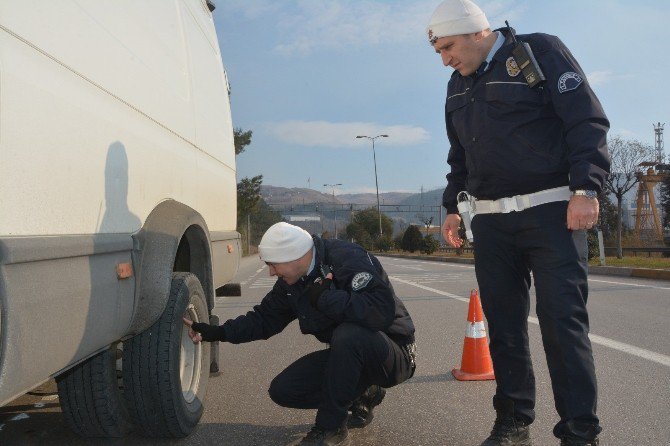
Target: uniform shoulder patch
(360,281)
(569,81)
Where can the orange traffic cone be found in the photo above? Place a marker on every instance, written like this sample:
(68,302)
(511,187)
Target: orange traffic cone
(476,363)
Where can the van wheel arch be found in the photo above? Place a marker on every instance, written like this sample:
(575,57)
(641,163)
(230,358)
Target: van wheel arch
(170,226)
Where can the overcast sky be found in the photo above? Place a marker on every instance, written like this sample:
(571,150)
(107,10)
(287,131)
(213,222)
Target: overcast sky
(307,76)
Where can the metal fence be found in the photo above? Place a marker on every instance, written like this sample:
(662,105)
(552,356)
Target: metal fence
(334,217)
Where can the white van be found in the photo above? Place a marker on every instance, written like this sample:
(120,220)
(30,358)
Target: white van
(117,207)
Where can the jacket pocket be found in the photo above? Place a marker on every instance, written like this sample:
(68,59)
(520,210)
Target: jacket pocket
(510,101)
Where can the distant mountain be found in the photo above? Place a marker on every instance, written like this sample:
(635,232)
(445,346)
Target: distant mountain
(371,198)
(295,195)
(430,198)
(301,195)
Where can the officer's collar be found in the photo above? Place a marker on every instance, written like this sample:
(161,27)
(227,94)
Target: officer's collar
(313,262)
(500,41)
(317,259)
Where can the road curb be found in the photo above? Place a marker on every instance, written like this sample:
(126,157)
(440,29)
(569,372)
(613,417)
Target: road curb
(618,271)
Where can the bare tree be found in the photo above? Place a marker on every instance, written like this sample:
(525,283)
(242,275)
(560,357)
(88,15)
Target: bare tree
(626,158)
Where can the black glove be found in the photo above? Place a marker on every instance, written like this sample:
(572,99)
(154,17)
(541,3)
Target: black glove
(314,290)
(208,332)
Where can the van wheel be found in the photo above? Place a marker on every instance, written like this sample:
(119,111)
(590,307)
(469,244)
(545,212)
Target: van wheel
(165,375)
(91,397)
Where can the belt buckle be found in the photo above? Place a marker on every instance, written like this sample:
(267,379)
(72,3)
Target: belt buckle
(509,204)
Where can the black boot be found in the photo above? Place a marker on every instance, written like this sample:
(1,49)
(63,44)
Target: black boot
(571,440)
(322,437)
(578,433)
(361,409)
(507,429)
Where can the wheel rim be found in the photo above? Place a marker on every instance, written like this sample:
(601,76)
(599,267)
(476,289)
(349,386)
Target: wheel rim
(190,360)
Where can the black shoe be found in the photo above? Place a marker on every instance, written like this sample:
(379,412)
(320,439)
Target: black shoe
(361,409)
(571,440)
(321,437)
(507,429)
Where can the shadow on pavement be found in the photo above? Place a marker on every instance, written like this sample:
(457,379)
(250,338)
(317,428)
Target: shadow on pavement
(248,434)
(430,379)
(49,429)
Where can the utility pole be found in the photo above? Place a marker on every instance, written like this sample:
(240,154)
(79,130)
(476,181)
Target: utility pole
(333,186)
(374,157)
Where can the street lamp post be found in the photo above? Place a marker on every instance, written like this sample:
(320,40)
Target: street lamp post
(333,186)
(374,157)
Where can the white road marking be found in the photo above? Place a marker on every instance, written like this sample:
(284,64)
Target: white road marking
(21,416)
(427,288)
(450,264)
(38,405)
(264,282)
(410,267)
(658,358)
(252,276)
(640,285)
(456,265)
(50,397)
(622,347)
(433,263)
(427,278)
(632,350)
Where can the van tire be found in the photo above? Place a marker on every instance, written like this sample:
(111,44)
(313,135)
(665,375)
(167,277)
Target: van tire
(90,397)
(152,366)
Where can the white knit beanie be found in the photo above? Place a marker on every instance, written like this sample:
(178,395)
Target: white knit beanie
(454,17)
(284,242)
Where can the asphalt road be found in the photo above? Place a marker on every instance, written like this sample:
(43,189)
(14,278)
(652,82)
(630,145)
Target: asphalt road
(630,332)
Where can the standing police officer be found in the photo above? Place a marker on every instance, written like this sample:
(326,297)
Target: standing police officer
(340,294)
(528,145)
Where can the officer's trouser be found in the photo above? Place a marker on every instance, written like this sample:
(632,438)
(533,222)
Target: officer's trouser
(507,247)
(330,380)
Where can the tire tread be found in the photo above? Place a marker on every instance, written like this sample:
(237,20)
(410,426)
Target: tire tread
(148,369)
(90,399)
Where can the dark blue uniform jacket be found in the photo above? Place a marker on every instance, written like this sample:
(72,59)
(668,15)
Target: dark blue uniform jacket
(509,139)
(374,305)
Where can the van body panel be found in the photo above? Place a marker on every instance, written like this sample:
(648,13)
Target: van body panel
(137,99)
(61,301)
(108,112)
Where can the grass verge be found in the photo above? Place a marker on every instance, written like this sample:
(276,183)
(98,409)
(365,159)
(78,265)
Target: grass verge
(635,262)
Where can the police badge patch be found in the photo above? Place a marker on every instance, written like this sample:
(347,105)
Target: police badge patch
(360,281)
(569,81)
(512,68)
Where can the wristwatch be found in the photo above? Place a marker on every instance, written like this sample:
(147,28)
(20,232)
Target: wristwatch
(586,193)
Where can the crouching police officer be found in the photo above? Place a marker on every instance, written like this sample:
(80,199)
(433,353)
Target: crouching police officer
(528,144)
(340,294)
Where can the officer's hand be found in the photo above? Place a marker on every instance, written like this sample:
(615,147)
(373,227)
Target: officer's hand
(199,331)
(582,212)
(450,230)
(316,288)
